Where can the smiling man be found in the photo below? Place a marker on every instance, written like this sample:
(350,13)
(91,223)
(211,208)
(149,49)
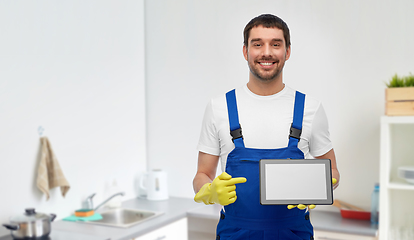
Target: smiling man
(266,53)
(278,123)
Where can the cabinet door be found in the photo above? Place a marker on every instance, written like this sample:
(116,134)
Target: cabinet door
(322,235)
(173,231)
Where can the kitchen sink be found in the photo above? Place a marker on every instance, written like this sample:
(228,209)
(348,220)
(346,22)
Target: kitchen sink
(124,218)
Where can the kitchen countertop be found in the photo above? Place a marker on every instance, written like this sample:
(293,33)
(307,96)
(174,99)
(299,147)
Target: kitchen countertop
(333,222)
(328,220)
(173,209)
(60,235)
(177,208)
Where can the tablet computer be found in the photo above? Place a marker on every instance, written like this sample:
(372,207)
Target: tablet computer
(295,181)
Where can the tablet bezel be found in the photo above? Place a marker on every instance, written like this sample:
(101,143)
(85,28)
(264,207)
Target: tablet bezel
(328,182)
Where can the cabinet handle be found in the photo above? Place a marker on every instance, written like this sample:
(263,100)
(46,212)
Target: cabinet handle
(160,238)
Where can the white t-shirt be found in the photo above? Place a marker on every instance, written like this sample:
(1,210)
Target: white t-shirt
(265,123)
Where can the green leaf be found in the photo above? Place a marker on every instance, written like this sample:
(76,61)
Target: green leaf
(409,80)
(396,81)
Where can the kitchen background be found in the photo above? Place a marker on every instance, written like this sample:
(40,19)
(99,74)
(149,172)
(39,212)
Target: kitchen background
(76,68)
(120,87)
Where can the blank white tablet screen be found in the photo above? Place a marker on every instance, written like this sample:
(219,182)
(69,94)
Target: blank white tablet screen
(295,181)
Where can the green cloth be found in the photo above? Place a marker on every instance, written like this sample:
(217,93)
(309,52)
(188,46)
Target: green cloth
(74,218)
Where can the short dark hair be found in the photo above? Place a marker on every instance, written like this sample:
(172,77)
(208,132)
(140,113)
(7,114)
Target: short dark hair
(267,21)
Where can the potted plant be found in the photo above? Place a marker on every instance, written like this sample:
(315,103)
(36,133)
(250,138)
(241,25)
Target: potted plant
(399,96)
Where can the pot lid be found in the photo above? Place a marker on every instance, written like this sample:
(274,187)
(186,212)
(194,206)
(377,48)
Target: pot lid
(30,215)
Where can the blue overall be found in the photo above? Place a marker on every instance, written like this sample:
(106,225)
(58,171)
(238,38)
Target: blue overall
(246,218)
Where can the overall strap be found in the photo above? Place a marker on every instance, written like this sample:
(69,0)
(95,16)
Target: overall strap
(235,128)
(296,128)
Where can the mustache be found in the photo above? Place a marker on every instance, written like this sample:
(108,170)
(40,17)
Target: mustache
(268,59)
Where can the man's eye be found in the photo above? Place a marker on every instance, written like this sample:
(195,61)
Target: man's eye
(257,44)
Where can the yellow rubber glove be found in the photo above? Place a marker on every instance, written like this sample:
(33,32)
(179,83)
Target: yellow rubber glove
(221,191)
(312,206)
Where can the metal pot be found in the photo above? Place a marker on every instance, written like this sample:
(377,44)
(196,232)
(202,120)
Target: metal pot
(31,225)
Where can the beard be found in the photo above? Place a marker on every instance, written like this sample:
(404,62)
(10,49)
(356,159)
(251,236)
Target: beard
(266,75)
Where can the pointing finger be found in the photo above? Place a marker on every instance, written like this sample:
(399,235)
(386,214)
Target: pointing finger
(237,180)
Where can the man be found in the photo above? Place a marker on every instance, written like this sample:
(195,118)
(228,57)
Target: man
(267,111)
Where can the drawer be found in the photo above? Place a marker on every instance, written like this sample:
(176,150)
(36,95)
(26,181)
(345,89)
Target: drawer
(173,231)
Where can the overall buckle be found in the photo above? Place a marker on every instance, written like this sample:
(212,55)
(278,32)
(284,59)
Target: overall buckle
(237,133)
(295,133)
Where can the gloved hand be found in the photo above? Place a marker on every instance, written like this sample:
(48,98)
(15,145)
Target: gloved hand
(312,206)
(222,190)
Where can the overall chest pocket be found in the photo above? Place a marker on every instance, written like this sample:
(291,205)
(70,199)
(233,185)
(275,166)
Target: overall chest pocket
(249,160)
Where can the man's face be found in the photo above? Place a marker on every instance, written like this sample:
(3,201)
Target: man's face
(266,52)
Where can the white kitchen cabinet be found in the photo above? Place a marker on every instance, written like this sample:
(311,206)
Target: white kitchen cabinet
(396,195)
(324,235)
(173,231)
(200,228)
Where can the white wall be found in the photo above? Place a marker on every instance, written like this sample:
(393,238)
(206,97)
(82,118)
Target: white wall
(76,68)
(342,53)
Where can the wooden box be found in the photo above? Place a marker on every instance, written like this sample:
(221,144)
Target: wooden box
(399,101)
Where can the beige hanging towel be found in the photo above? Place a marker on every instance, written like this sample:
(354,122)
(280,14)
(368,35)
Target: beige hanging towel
(49,173)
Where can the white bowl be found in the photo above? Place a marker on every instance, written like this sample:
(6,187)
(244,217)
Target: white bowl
(407,173)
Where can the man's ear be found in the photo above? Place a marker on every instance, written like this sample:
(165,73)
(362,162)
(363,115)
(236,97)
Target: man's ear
(245,52)
(288,50)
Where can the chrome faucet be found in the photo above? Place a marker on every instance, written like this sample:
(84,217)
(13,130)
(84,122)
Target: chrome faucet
(89,202)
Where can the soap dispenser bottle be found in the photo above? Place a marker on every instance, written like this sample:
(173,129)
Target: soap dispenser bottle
(375,204)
